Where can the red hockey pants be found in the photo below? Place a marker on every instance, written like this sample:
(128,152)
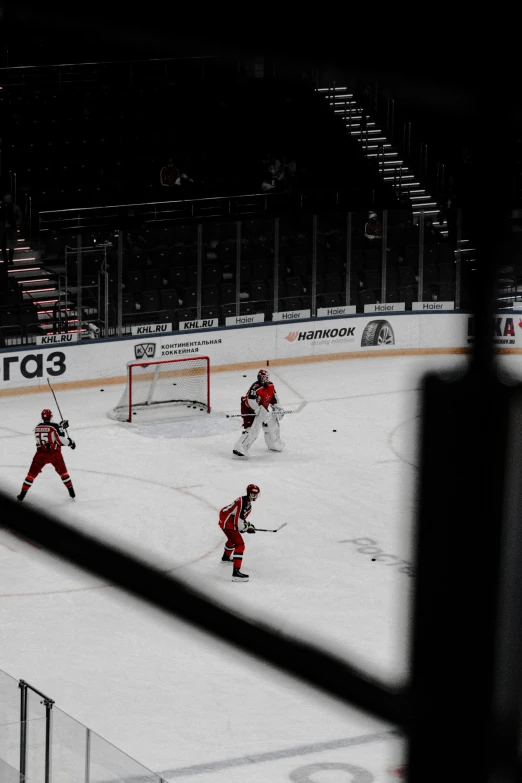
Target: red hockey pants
(40,460)
(235,546)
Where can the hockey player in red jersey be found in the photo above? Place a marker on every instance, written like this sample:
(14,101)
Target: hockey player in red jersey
(256,413)
(233,521)
(50,437)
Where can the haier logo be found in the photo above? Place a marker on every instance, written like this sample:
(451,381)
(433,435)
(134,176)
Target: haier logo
(147,350)
(291,336)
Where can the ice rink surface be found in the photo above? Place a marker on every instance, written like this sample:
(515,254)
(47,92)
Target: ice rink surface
(181,703)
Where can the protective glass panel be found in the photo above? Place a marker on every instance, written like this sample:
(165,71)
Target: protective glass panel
(35,732)
(10,735)
(336,286)
(9,699)
(107,763)
(257,267)
(294,291)
(220,276)
(68,748)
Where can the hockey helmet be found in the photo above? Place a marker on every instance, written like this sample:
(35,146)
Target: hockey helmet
(46,415)
(263,376)
(253,491)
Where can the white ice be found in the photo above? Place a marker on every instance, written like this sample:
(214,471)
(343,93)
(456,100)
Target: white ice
(182,703)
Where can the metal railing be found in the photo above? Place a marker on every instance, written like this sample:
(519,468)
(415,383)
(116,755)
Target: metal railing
(39,742)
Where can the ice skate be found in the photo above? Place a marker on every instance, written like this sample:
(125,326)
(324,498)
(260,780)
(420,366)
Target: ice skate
(72,493)
(237,576)
(22,495)
(226,559)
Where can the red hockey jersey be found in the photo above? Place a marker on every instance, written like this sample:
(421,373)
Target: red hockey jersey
(264,394)
(49,437)
(234,516)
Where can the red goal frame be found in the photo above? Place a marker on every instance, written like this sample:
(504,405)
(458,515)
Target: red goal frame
(167,361)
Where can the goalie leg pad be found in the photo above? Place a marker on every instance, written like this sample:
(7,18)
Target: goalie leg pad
(271,431)
(248,438)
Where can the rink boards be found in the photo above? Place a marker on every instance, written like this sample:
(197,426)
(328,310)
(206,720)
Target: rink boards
(90,362)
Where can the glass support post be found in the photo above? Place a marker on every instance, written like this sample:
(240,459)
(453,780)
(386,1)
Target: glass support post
(275,308)
(420,289)
(384,253)
(119,283)
(79,278)
(238,268)
(348,279)
(199,269)
(458,261)
(313,312)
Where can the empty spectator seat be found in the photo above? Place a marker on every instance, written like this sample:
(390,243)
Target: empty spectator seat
(245,271)
(169,299)
(373,279)
(446,292)
(133,282)
(153,280)
(190,297)
(373,259)
(412,255)
(128,304)
(291,303)
(367,296)
(299,266)
(228,292)
(228,310)
(333,284)
(319,284)
(211,274)
(150,302)
(330,300)
(391,278)
(178,277)
(258,290)
(430,274)
(192,275)
(334,264)
(406,276)
(407,295)
(210,311)
(261,268)
(446,273)
(294,287)
(210,296)
(185,314)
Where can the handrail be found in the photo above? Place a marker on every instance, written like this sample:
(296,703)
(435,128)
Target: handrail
(110,62)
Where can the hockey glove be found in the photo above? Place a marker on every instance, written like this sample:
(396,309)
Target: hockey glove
(64,424)
(251,529)
(72,444)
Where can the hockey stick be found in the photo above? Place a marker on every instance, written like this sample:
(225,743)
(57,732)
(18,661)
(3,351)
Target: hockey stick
(56,401)
(265,530)
(271,413)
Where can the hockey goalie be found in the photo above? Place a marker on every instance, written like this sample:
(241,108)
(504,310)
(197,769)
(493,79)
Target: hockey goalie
(260,410)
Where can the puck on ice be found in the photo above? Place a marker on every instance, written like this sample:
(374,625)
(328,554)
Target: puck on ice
(373,560)
(334,430)
(101,389)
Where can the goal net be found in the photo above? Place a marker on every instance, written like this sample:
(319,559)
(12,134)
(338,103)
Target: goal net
(167,386)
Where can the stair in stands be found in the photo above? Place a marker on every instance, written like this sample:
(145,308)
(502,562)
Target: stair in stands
(38,284)
(371,140)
